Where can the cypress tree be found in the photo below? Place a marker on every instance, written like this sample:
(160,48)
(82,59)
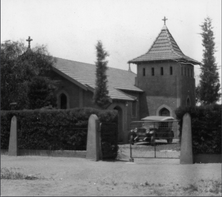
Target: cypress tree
(101,92)
(208,89)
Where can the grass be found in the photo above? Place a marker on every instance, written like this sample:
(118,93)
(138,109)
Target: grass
(205,186)
(191,188)
(14,175)
(212,186)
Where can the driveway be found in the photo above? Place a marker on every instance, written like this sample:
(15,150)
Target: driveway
(63,176)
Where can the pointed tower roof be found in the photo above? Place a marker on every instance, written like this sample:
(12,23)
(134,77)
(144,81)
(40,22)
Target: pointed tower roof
(164,48)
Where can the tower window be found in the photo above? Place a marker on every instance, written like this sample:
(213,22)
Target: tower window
(188,102)
(161,70)
(171,70)
(144,72)
(181,70)
(153,72)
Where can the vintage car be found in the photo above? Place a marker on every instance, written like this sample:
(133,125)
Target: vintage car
(152,128)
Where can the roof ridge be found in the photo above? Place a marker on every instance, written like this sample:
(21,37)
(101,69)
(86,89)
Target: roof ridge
(177,46)
(153,42)
(169,41)
(170,37)
(90,64)
(73,60)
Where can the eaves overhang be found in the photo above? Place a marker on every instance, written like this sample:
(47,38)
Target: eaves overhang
(70,79)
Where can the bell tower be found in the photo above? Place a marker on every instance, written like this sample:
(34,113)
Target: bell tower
(166,75)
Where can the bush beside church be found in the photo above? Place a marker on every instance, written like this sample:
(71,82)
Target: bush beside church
(206,128)
(60,129)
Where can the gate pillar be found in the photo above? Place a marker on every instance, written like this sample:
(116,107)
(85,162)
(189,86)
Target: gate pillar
(186,152)
(93,149)
(13,146)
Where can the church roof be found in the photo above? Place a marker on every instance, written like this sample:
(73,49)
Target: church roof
(164,48)
(84,75)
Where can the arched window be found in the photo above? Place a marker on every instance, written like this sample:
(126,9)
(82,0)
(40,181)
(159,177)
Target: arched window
(63,101)
(164,112)
(120,123)
(188,101)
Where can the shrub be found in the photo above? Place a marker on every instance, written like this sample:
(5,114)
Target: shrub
(206,127)
(5,128)
(109,138)
(54,129)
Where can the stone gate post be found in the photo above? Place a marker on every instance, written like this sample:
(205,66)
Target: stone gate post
(93,149)
(13,146)
(186,152)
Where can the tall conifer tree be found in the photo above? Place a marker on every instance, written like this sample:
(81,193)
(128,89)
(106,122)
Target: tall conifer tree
(208,89)
(101,92)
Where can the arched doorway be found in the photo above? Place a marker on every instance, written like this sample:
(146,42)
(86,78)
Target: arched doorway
(120,123)
(63,101)
(164,112)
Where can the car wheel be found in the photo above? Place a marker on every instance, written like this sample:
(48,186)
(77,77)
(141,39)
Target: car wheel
(136,139)
(131,140)
(152,140)
(169,141)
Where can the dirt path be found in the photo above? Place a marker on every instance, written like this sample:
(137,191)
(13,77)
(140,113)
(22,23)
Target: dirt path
(59,176)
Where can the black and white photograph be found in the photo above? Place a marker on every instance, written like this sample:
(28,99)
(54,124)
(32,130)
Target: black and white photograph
(111,98)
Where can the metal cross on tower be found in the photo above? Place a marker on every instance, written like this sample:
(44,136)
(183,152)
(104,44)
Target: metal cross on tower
(29,40)
(164,19)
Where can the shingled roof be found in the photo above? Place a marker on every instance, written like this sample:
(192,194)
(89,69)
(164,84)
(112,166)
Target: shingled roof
(164,48)
(84,75)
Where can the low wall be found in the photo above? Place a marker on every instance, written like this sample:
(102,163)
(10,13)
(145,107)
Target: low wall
(207,158)
(53,153)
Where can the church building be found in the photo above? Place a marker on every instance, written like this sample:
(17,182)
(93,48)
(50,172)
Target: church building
(166,75)
(164,82)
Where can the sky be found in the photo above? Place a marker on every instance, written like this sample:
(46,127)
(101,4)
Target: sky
(127,28)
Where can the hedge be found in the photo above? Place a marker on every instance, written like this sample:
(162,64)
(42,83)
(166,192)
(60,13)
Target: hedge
(206,127)
(109,140)
(58,129)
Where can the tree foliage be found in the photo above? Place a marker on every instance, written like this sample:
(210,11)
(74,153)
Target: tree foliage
(208,89)
(101,92)
(19,69)
(41,93)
